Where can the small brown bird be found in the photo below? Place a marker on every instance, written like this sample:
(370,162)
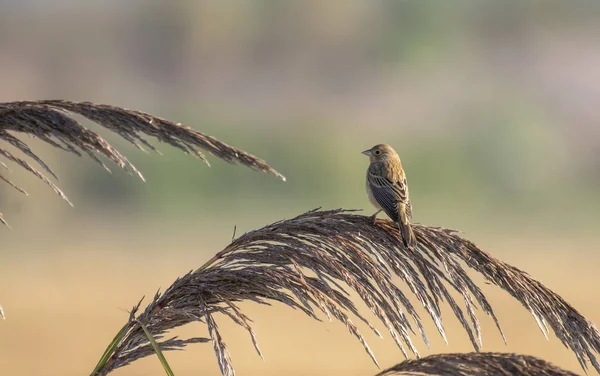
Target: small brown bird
(388,191)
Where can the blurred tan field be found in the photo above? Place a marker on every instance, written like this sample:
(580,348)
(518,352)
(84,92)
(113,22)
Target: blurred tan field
(492,107)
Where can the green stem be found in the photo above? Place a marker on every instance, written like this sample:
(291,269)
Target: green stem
(157,350)
(110,350)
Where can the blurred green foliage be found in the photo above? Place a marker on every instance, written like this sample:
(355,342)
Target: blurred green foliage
(485,101)
(511,165)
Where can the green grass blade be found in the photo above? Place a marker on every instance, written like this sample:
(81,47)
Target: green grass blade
(110,349)
(157,350)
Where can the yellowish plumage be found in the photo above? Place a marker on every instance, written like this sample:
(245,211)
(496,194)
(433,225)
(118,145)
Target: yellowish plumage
(387,189)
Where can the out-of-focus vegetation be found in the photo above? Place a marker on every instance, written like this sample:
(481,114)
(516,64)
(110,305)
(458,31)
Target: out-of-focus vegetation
(486,102)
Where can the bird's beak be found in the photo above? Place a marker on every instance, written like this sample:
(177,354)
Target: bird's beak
(367,152)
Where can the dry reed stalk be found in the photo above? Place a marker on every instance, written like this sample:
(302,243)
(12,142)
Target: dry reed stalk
(308,263)
(50,121)
(481,364)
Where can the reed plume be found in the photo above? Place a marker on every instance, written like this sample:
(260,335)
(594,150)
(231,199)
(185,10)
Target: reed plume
(312,261)
(482,364)
(51,121)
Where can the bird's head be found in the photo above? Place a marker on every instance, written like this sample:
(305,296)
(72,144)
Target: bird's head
(380,152)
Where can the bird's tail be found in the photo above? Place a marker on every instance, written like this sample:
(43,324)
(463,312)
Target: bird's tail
(407,234)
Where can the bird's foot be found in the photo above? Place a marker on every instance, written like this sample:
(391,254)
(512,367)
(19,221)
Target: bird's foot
(374,217)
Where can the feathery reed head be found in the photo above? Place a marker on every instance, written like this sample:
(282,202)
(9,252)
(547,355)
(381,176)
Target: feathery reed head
(482,364)
(309,262)
(49,121)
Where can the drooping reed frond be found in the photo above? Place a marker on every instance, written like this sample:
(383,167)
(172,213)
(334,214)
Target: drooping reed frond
(309,262)
(51,121)
(482,364)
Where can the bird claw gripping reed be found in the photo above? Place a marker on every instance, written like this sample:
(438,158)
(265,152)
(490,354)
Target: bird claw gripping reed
(51,121)
(313,261)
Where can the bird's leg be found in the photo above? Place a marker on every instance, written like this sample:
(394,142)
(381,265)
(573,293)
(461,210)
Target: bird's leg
(374,216)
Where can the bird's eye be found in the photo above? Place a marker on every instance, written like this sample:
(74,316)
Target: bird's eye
(377,152)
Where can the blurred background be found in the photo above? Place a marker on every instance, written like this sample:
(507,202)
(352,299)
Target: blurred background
(493,107)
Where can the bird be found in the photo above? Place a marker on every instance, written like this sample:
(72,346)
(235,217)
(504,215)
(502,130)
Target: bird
(388,190)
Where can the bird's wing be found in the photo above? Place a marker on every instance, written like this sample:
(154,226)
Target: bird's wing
(389,194)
